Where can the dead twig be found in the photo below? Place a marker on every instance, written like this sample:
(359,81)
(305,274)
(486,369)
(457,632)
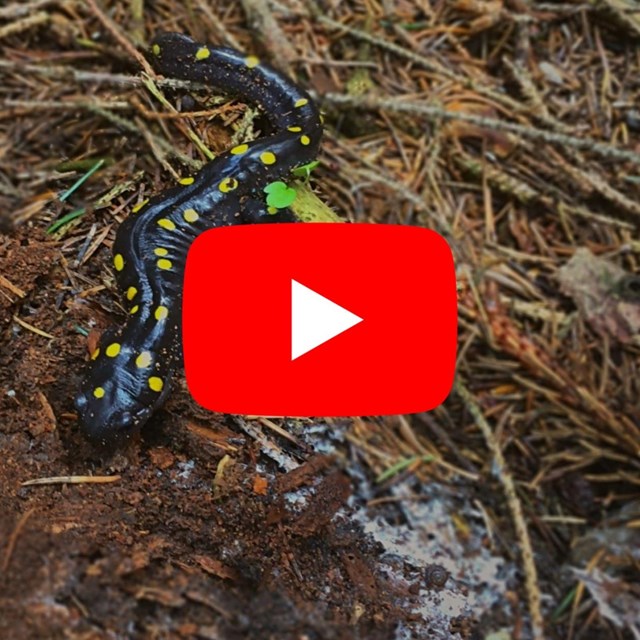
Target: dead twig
(13,538)
(499,465)
(440,113)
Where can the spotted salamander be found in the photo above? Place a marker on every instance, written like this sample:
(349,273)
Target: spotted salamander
(132,368)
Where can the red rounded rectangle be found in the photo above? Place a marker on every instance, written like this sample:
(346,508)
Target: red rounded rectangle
(319,319)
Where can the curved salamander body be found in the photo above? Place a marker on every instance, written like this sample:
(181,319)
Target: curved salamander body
(132,368)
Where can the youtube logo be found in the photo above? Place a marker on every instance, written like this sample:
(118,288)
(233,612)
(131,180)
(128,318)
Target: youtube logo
(319,319)
(315,319)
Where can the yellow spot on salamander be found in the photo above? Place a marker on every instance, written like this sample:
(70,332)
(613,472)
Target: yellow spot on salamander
(301,102)
(134,309)
(132,292)
(165,264)
(272,210)
(240,149)
(294,129)
(155,384)
(161,313)
(251,61)
(143,360)
(190,215)
(228,184)
(112,350)
(98,392)
(267,157)
(202,53)
(155,49)
(139,206)
(305,140)
(118,262)
(167,224)
(95,354)
(161,251)
(186,181)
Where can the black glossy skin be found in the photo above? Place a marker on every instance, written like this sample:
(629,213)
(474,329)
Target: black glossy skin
(130,374)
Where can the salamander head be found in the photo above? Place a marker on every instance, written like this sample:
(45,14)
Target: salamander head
(108,415)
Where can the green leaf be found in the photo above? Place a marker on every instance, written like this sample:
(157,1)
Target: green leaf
(564,605)
(80,181)
(279,195)
(305,170)
(402,465)
(66,219)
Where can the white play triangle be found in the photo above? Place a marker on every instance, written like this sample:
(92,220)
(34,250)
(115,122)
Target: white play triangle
(315,319)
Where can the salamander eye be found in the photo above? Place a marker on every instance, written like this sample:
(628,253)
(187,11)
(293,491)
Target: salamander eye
(125,420)
(81,402)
